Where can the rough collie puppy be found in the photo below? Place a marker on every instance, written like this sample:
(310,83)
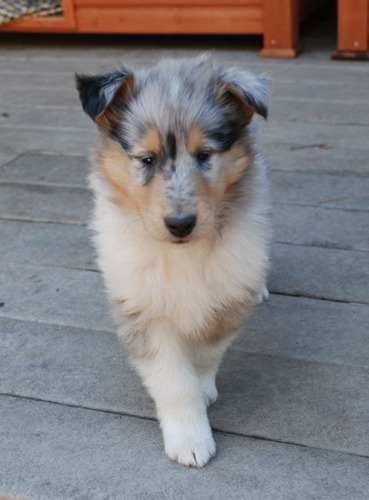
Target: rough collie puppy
(181,225)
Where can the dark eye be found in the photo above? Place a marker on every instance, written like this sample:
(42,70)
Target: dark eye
(203,156)
(148,161)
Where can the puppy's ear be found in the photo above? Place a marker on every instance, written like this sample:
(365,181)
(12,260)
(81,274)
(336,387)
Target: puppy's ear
(104,96)
(249,92)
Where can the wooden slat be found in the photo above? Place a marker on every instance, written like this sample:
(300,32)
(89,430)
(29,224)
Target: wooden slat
(166,20)
(280,28)
(159,3)
(353,25)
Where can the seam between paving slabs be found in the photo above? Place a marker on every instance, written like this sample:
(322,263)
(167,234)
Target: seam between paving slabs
(305,295)
(84,187)
(292,80)
(334,122)
(234,347)
(152,419)
(324,246)
(318,297)
(337,173)
(9,162)
(334,66)
(41,220)
(69,154)
(69,92)
(291,120)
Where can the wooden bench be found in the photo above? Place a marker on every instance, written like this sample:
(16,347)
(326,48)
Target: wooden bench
(353,30)
(276,20)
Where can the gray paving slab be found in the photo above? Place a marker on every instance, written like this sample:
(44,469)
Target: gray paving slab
(318,158)
(327,75)
(317,226)
(44,116)
(51,169)
(314,404)
(319,74)
(73,170)
(63,245)
(43,96)
(286,89)
(6,157)
(282,111)
(93,60)
(331,191)
(66,140)
(53,295)
(289,395)
(82,367)
(111,449)
(77,140)
(44,202)
(289,327)
(312,330)
(299,270)
(332,92)
(50,202)
(67,65)
(321,273)
(320,110)
(297,134)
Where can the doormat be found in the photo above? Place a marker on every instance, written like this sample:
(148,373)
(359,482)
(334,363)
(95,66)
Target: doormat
(19,10)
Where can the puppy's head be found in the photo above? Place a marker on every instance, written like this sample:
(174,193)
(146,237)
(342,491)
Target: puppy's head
(176,142)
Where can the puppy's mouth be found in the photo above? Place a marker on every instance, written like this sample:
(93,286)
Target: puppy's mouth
(181,241)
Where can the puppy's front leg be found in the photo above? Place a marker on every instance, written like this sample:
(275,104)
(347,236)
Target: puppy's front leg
(169,375)
(207,359)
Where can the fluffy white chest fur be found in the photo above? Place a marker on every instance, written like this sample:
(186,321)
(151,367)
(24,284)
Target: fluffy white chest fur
(181,284)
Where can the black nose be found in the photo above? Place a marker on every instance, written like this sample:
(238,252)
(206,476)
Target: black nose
(180,225)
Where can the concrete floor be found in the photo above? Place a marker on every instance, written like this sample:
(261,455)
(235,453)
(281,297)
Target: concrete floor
(292,420)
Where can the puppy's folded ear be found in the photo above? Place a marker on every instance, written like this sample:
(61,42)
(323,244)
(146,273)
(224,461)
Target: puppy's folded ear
(243,89)
(104,96)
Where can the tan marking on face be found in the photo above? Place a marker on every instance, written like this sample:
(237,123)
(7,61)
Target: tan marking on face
(128,193)
(114,165)
(237,162)
(151,141)
(195,140)
(212,196)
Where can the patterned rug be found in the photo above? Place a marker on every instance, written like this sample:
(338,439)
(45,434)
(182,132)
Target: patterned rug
(18,10)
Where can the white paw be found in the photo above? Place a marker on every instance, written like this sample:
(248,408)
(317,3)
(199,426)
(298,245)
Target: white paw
(209,390)
(192,446)
(261,296)
(191,453)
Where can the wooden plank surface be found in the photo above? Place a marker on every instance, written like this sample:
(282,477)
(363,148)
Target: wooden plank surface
(280,28)
(353,25)
(167,3)
(185,20)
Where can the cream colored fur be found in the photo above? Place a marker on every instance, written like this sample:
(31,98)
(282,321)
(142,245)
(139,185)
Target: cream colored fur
(164,294)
